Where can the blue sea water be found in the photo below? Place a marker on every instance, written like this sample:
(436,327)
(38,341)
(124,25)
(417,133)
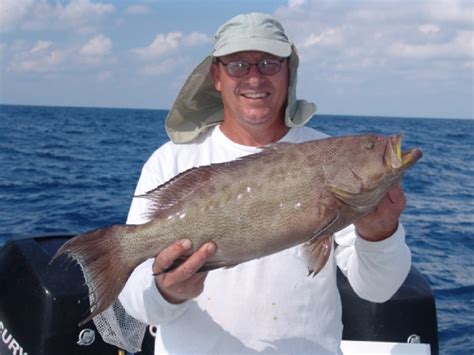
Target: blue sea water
(73,169)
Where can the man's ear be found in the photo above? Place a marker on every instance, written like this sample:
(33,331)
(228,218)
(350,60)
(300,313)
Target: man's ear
(216,76)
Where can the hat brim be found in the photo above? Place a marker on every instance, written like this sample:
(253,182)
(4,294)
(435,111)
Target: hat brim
(271,46)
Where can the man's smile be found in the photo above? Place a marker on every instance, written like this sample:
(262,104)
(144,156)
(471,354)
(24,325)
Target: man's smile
(255,95)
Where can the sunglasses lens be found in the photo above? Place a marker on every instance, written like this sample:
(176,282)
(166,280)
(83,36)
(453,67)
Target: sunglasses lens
(242,68)
(239,68)
(269,66)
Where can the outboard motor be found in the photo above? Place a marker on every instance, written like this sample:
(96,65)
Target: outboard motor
(408,317)
(42,304)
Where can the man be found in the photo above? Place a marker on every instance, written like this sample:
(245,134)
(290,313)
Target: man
(237,100)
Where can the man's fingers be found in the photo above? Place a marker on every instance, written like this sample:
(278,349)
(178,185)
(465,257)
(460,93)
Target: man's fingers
(168,256)
(395,200)
(197,281)
(194,262)
(383,221)
(395,194)
(183,282)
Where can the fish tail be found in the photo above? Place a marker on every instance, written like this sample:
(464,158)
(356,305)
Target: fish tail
(99,255)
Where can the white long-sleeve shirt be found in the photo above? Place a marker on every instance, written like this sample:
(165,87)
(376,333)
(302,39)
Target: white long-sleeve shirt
(266,305)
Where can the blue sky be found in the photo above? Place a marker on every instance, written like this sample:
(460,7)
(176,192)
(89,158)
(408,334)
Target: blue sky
(380,57)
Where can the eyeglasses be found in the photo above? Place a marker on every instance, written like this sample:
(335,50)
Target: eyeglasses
(237,68)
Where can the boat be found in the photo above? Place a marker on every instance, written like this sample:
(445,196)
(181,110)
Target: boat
(41,305)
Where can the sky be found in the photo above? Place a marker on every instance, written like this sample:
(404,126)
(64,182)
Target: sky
(361,57)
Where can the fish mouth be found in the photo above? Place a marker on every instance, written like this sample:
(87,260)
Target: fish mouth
(395,159)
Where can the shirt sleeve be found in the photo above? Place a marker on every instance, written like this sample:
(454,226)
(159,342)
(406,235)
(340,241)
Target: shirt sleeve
(375,270)
(140,297)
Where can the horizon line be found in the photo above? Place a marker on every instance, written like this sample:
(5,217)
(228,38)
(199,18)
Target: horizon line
(316,114)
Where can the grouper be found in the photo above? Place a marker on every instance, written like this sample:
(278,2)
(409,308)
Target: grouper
(285,195)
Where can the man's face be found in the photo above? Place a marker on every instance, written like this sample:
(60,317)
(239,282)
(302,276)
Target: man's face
(255,98)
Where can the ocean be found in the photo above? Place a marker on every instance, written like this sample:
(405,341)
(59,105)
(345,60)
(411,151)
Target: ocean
(68,170)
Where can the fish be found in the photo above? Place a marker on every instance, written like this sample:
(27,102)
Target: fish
(283,196)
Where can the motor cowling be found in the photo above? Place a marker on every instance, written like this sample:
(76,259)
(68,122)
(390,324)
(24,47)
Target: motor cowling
(409,315)
(41,304)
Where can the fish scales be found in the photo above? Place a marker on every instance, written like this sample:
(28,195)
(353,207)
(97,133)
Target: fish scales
(286,195)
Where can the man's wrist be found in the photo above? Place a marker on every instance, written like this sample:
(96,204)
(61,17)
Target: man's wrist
(377,236)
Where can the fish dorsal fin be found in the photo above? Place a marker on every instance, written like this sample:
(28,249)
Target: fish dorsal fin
(169,197)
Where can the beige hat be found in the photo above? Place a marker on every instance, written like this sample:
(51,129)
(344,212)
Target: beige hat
(199,105)
(252,32)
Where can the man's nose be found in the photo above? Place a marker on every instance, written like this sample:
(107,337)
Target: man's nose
(254,76)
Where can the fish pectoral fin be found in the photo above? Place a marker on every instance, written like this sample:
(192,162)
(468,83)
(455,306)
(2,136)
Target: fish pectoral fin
(316,253)
(317,250)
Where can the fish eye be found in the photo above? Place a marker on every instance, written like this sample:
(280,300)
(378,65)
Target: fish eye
(369,146)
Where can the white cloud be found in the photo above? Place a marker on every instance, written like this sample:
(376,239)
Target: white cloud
(295,3)
(375,34)
(99,46)
(41,46)
(454,11)
(164,67)
(48,57)
(460,46)
(165,44)
(33,15)
(12,12)
(429,28)
(76,10)
(42,57)
(196,39)
(95,50)
(358,51)
(161,45)
(328,37)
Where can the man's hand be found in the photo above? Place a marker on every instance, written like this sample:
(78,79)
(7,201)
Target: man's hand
(383,221)
(182,283)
